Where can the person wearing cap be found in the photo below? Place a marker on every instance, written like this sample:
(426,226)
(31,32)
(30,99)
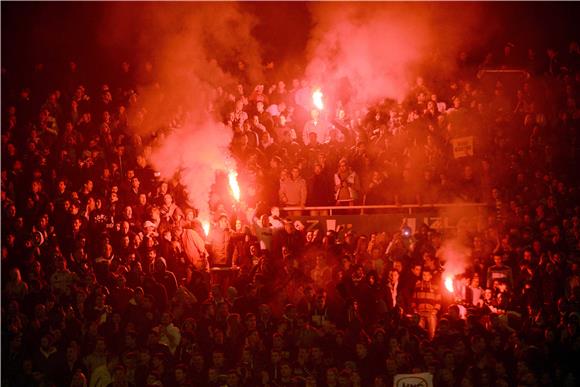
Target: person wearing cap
(149,229)
(346,184)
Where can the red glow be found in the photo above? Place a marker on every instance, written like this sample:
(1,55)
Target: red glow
(234,186)
(317,99)
(449,284)
(205,226)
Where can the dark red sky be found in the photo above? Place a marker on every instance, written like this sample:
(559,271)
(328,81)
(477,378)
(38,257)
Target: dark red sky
(34,31)
(49,31)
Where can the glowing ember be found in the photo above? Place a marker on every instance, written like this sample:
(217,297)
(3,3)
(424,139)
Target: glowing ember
(205,226)
(449,284)
(234,186)
(317,99)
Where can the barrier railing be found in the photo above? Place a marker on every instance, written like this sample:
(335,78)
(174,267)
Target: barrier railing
(410,208)
(483,72)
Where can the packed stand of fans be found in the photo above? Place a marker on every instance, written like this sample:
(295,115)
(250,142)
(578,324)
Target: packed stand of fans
(105,268)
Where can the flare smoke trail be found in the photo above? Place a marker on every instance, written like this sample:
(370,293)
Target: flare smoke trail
(455,252)
(374,46)
(456,257)
(192,42)
(378,48)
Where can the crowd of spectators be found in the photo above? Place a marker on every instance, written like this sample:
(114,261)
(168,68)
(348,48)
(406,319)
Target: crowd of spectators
(106,276)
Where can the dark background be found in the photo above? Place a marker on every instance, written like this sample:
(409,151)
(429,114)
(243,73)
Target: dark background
(49,32)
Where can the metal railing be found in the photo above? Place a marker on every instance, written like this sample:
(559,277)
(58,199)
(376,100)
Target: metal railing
(409,208)
(523,72)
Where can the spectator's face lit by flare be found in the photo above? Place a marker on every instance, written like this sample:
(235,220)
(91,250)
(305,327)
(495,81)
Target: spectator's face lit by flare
(167,199)
(295,173)
(223,223)
(314,114)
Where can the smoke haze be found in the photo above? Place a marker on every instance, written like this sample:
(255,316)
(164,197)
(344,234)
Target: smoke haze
(380,47)
(377,47)
(456,251)
(190,42)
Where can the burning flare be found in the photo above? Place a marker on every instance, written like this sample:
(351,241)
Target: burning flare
(205,226)
(317,99)
(449,284)
(234,186)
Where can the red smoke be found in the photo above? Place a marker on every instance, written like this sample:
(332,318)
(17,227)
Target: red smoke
(380,47)
(190,44)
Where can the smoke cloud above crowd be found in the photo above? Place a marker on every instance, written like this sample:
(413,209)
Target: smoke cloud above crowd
(455,252)
(376,49)
(379,48)
(191,45)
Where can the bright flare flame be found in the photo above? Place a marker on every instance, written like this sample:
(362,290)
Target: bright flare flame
(317,99)
(449,284)
(205,226)
(234,186)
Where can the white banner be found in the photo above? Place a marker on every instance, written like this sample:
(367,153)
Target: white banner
(462,146)
(423,379)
